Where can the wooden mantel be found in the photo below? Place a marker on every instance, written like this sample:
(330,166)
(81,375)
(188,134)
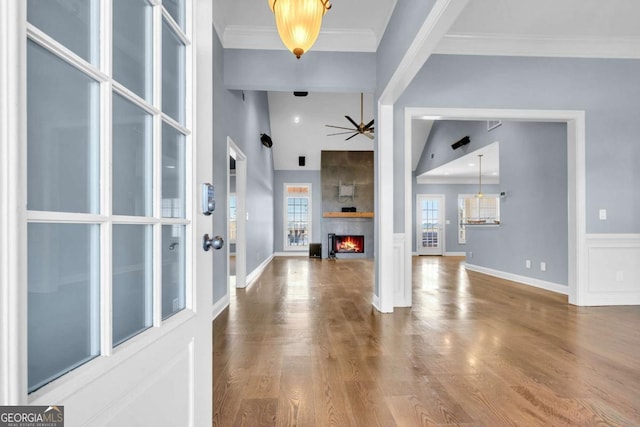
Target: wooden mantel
(347,214)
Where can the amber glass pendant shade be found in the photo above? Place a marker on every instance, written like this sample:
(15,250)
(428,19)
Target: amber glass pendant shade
(299,22)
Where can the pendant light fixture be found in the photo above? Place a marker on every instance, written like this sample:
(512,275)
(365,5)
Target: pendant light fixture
(479,195)
(298,22)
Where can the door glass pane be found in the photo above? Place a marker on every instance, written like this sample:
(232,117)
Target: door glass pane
(430,226)
(173,269)
(132,280)
(72,23)
(298,221)
(63,299)
(62,135)
(173,75)
(132,159)
(176,10)
(173,173)
(132,49)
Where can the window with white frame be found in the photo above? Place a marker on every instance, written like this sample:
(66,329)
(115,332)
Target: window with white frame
(474,210)
(108,140)
(297,216)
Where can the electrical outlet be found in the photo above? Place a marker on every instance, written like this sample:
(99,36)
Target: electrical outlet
(543,266)
(470,254)
(602,214)
(527,263)
(619,276)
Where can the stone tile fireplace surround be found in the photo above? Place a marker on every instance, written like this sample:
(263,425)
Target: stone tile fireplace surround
(349,168)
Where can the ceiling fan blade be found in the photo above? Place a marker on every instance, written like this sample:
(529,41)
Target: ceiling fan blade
(355,134)
(339,133)
(352,122)
(368,135)
(339,127)
(368,125)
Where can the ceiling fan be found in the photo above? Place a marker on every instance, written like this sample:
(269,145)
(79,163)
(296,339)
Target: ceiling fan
(360,129)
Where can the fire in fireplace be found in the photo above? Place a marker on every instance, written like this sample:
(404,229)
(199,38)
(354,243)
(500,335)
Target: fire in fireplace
(349,244)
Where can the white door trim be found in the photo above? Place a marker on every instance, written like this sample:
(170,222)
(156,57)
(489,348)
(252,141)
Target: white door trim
(576,167)
(13,186)
(441,219)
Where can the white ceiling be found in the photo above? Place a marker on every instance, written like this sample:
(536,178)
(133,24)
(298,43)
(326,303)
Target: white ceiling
(578,28)
(309,136)
(466,169)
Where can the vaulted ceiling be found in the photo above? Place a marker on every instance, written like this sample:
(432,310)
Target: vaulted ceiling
(560,28)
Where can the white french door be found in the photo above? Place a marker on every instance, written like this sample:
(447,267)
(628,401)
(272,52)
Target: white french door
(430,224)
(111,287)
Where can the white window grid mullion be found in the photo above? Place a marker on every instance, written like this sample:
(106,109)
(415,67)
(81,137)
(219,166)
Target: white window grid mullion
(106,187)
(65,217)
(134,98)
(175,124)
(174,221)
(190,172)
(175,28)
(126,219)
(157,164)
(36,35)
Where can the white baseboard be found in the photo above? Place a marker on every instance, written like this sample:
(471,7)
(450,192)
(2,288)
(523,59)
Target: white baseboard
(445,254)
(251,277)
(293,253)
(537,283)
(219,306)
(376,303)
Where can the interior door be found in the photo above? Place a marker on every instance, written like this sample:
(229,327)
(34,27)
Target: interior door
(429,224)
(114,261)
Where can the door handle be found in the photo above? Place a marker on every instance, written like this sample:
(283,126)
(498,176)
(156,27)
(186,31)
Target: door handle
(215,242)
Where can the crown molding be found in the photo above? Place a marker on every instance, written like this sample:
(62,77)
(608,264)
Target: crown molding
(330,40)
(546,46)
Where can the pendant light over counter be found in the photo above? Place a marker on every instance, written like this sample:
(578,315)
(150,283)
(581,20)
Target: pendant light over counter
(299,22)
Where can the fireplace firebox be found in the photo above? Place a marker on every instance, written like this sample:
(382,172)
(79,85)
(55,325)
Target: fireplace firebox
(352,244)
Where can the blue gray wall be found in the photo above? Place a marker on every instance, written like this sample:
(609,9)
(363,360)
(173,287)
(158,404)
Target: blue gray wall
(534,215)
(406,19)
(607,90)
(306,177)
(243,116)
(279,70)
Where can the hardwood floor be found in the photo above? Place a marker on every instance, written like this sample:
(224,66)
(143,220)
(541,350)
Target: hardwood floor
(304,347)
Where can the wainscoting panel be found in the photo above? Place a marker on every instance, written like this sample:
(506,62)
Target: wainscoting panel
(613,264)
(401,290)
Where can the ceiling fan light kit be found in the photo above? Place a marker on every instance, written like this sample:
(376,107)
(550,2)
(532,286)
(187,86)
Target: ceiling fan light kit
(359,129)
(299,22)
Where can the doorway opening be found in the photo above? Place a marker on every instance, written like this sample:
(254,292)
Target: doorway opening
(236,216)
(575,120)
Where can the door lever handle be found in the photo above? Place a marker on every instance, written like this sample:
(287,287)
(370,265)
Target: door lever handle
(215,242)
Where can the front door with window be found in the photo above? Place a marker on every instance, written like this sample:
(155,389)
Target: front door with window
(113,330)
(429,224)
(297,219)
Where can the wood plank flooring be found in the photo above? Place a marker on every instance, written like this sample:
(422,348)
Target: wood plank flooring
(304,347)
